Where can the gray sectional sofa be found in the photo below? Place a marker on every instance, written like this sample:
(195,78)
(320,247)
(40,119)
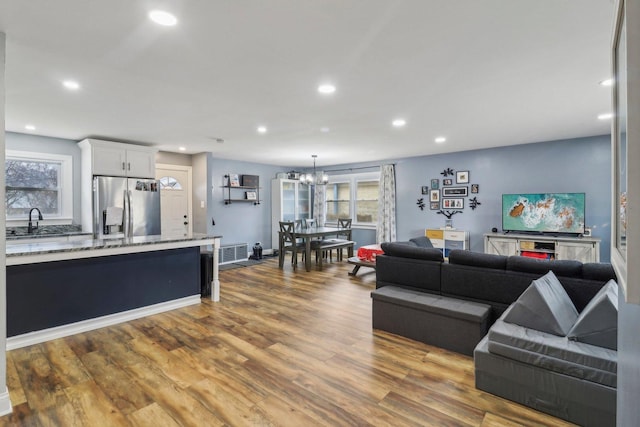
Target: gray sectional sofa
(485,302)
(489,279)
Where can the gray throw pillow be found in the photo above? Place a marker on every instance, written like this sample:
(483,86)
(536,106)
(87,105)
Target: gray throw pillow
(544,306)
(598,322)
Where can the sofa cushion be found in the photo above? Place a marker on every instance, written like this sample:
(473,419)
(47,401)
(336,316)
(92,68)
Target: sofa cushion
(477,259)
(405,250)
(524,264)
(600,271)
(544,306)
(598,322)
(422,242)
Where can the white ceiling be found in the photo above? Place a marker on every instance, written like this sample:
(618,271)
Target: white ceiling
(483,73)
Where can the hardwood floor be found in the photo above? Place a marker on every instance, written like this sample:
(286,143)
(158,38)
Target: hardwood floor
(281,348)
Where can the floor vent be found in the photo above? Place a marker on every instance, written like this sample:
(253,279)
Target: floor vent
(233,252)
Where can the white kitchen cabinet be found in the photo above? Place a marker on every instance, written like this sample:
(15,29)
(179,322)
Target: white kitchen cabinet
(116,159)
(290,200)
(107,158)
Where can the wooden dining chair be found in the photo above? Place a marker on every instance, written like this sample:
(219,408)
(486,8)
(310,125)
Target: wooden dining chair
(342,236)
(289,243)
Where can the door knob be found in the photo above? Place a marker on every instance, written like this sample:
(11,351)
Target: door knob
(185,217)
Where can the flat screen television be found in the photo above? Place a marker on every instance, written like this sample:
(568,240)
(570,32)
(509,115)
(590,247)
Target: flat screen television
(552,213)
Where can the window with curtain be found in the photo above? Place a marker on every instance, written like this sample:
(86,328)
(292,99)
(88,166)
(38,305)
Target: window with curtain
(353,196)
(38,180)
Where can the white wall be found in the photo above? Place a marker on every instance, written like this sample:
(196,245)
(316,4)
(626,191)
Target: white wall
(5,403)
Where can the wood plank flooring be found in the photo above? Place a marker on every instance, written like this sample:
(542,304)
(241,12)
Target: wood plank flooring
(281,348)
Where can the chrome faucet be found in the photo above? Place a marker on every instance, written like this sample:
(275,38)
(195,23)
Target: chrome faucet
(30,227)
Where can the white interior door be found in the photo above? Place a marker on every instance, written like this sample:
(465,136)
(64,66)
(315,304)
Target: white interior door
(175,198)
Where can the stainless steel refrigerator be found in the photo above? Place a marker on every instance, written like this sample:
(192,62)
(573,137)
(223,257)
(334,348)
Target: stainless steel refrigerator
(125,207)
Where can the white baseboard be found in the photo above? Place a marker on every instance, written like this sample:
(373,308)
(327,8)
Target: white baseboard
(5,403)
(267,252)
(37,337)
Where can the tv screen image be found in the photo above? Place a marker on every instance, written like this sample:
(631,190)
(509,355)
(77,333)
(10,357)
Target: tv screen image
(544,212)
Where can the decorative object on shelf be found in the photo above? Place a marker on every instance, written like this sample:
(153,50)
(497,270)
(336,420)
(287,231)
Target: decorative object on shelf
(420,204)
(447,181)
(474,203)
(250,180)
(447,172)
(293,175)
(434,195)
(475,188)
(457,203)
(250,195)
(462,177)
(434,206)
(435,184)
(455,192)
(315,178)
(424,189)
(448,223)
(234,180)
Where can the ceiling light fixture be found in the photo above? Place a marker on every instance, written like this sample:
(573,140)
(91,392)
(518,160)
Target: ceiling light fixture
(605,116)
(71,84)
(161,17)
(399,123)
(326,89)
(182,149)
(607,82)
(315,178)
(29,127)
(440,139)
(262,129)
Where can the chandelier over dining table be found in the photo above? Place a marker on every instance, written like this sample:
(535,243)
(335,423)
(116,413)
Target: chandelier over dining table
(315,178)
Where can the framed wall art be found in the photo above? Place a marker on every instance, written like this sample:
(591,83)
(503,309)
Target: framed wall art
(434,206)
(435,184)
(434,196)
(455,192)
(447,181)
(462,177)
(456,203)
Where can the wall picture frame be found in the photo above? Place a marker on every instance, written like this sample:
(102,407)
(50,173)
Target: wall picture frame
(447,181)
(455,191)
(434,196)
(434,206)
(424,189)
(462,177)
(453,203)
(435,184)
(475,188)
(250,195)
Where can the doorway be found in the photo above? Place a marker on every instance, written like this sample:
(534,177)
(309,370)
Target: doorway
(175,198)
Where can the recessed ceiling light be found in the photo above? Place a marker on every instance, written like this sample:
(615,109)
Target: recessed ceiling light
(182,149)
(324,129)
(605,116)
(326,88)
(399,123)
(607,82)
(71,84)
(262,129)
(161,17)
(29,127)
(440,139)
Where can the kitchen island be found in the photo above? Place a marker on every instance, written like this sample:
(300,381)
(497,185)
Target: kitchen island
(55,289)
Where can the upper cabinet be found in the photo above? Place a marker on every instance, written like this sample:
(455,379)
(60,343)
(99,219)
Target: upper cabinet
(116,159)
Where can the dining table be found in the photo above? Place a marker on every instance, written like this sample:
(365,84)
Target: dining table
(309,233)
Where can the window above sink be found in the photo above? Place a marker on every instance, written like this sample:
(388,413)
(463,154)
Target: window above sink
(38,180)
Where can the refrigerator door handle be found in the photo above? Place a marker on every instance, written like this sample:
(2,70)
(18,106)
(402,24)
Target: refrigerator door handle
(130,216)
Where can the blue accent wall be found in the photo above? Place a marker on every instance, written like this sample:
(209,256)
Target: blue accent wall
(575,166)
(572,166)
(241,222)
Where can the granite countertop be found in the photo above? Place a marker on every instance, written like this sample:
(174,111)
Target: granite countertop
(96,244)
(18,233)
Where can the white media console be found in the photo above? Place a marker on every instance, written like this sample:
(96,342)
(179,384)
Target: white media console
(584,249)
